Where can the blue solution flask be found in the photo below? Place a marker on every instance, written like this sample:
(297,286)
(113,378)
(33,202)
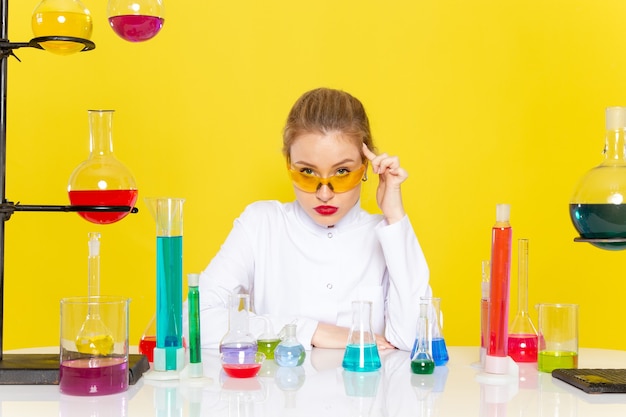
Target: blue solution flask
(289,351)
(438,343)
(361,354)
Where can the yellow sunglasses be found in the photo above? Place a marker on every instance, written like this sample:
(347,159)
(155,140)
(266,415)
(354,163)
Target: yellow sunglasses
(339,183)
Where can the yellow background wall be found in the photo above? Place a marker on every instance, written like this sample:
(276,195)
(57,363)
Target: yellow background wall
(484,101)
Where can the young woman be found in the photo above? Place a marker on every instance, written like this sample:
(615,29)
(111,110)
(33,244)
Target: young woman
(307,260)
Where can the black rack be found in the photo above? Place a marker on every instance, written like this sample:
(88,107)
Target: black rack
(35,369)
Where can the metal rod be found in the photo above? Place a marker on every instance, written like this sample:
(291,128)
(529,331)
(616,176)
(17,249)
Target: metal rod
(4,34)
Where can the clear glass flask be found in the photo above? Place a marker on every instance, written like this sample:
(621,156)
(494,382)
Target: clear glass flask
(268,340)
(438,346)
(168,214)
(361,354)
(523,341)
(102,180)
(62,18)
(136,20)
(238,338)
(421,359)
(597,207)
(289,351)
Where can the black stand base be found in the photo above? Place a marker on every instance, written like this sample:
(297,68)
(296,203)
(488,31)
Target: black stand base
(43,369)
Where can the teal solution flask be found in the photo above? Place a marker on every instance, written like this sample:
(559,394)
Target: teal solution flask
(361,354)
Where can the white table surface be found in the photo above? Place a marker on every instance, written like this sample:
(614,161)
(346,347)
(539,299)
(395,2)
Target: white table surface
(321,388)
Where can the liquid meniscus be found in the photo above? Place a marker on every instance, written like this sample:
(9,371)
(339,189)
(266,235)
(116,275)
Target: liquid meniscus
(103,198)
(289,356)
(136,28)
(600,221)
(549,360)
(59,23)
(361,359)
(440,351)
(422,366)
(267,346)
(93,376)
(146,347)
(523,347)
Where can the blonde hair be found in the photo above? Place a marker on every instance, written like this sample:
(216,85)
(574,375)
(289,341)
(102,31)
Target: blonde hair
(326,110)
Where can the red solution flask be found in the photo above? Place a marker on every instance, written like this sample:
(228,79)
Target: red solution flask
(501,240)
(102,180)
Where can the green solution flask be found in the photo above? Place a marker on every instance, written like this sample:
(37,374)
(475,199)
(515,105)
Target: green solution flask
(422,360)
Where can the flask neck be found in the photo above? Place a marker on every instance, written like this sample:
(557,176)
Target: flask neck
(100,132)
(615,147)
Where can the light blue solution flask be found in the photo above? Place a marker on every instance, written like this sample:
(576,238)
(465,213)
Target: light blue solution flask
(289,351)
(169,354)
(361,354)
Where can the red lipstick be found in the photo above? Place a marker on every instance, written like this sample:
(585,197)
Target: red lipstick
(326,210)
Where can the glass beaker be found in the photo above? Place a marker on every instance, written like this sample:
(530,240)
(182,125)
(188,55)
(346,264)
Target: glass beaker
(168,214)
(597,207)
(438,346)
(102,180)
(136,20)
(289,351)
(361,354)
(421,359)
(558,336)
(95,371)
(62,18)
(523,342)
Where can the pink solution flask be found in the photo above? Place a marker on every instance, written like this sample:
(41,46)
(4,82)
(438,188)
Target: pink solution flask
(523,340)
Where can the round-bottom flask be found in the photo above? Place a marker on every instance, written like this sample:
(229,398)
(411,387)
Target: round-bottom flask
(102,180)
(597,208)
(289,351)
(62,18)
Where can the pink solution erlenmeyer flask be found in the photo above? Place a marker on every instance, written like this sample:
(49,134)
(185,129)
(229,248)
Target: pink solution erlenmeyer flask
(136,20)
(522,342)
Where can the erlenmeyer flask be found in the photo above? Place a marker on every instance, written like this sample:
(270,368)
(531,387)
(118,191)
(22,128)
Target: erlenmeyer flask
(102,180)
(136,20)
(438,346)
(421,359)
(523,342)
(62,18)
(147,343)
(169,354)
(361,354)
(598,206)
